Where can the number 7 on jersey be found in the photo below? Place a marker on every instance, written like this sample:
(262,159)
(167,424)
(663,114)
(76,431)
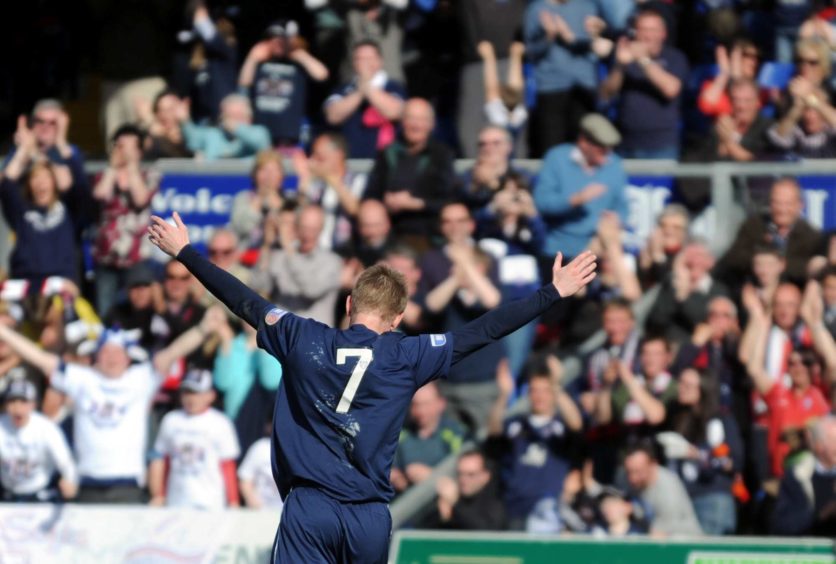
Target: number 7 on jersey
(364,358)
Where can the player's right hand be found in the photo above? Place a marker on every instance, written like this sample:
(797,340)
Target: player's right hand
(575,275)
(169,238)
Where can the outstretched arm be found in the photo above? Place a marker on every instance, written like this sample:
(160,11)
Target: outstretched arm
(756,363)
(507,318)
(44,361)
(234,294)
(490,76)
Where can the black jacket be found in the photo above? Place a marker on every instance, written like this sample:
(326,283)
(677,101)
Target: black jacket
(428,175)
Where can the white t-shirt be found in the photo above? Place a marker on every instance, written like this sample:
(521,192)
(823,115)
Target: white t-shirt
(195,446)
(110,418)
(500,116)
(29,456)
(257,468)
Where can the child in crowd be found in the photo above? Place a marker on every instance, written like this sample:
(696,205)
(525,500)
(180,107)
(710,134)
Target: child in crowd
(197,448)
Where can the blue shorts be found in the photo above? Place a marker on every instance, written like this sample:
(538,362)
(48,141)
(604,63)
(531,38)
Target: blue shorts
(318,529)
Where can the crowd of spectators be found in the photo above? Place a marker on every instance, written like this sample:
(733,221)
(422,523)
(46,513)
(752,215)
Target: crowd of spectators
(124,381)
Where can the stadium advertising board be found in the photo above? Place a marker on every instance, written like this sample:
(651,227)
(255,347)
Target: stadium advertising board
(410,547)
(205,203)
(73,534)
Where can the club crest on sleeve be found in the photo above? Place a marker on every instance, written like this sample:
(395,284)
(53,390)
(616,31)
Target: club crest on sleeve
(438,340)
(273,316)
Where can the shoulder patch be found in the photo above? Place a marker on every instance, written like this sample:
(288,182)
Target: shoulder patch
(437,340)
(273,316)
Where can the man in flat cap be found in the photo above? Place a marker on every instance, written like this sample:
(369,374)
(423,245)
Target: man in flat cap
(579,182)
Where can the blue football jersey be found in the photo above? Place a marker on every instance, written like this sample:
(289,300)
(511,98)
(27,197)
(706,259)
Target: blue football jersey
(342,401)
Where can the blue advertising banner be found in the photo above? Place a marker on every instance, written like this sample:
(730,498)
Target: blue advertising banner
(820,200)
(205,202)
(646,198)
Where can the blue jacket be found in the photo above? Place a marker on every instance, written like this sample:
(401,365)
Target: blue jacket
(570,229)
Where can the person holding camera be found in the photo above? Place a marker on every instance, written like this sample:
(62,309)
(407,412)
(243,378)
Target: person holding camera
(275,75)
(648,78)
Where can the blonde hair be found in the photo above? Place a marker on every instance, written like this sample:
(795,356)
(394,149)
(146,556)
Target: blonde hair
(380,289)
(817,46)
(265,157)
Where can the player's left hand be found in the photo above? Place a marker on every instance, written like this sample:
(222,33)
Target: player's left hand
(575,275)
(169,238)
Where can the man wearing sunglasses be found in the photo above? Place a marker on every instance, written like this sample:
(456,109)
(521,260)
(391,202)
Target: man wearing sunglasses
(224,253)
(648,78)
(48,126)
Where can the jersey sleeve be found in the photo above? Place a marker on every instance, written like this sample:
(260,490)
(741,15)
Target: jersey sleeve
(432,356)
(278,332)
(70,379)
(395,88)
(338,95)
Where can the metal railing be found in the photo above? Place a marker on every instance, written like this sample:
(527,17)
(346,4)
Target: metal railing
(728,203)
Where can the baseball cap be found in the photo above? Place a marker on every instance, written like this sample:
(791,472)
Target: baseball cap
(282,28)
(139,275)
(20,388)
(599,130)
(196,380)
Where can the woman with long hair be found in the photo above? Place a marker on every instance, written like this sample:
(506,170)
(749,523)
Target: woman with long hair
(39,205)
(710,455)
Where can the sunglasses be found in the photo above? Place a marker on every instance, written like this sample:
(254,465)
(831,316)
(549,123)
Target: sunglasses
(221,252)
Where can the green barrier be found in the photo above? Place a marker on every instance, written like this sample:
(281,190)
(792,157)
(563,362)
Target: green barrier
(411,547)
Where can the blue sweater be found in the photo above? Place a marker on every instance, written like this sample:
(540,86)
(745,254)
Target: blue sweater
(216,143)
(559,66)
(236,371)
(570,229)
